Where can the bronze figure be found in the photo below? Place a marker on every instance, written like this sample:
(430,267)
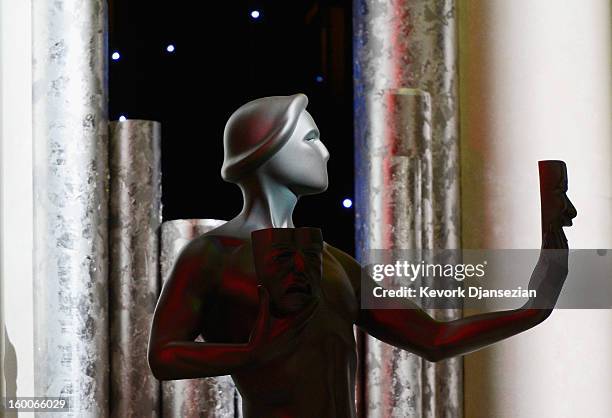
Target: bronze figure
(276,305)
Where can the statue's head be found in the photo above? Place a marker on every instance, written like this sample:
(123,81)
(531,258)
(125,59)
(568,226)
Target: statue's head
(275,137)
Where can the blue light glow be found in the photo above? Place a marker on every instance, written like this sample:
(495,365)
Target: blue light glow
(116,56)
(170,48)
(347,203)
(319,79)
(255,14)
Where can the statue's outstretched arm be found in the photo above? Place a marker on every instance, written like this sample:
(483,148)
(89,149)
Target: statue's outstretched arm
(414,330)
(173,352)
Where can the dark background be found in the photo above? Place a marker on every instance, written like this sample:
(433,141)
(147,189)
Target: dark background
(223,58)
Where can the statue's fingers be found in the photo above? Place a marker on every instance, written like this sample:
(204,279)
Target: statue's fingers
(563,239)
(263,316)
(547,239)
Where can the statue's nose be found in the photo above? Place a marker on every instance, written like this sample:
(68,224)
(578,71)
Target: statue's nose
(571,209)
(298,261)
(324,151)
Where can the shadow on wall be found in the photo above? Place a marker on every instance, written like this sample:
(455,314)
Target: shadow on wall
(10,371)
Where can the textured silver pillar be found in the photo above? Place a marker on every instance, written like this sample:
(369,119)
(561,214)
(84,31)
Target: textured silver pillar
(70,134)
(196,398)
(398,44)
(135,220)
(408,43)
(400,217)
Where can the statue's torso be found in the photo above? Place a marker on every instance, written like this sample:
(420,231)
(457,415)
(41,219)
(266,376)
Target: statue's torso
(315,379)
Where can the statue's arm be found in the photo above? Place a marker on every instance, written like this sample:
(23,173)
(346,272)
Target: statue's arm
(412,329)
(173,354)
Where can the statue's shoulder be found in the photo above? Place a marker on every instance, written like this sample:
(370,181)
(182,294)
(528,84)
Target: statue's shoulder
(204,258)
(343,272)
(210,245)
(348,263)
(343,258)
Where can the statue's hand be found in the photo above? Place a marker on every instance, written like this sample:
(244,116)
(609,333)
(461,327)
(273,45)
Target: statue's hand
(272,337)
(554,246)
(554,238)
(550,273)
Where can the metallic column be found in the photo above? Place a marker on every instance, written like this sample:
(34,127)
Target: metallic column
(135,220)
(197,398)
(401,217)
(398,44)
(70,134)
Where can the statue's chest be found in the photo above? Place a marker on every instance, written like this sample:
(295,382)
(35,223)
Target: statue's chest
(231,313)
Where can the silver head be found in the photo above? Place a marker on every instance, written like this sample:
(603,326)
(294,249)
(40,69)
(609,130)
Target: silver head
(279,134)
(273,151)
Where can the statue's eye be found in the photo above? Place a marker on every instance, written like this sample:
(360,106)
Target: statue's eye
(283,255)
(311,136)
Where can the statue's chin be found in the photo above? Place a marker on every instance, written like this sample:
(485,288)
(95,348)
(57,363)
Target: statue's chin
(292,303)
(310,189)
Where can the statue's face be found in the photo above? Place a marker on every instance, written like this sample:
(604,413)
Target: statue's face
(567,210)
(558,210)
(301,164)
(288,264)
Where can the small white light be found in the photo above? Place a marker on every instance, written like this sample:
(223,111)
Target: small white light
(170,48)
(347,203)
(255,14)
(115,56)
(122,118)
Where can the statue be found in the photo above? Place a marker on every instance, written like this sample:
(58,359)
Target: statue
(276,305)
